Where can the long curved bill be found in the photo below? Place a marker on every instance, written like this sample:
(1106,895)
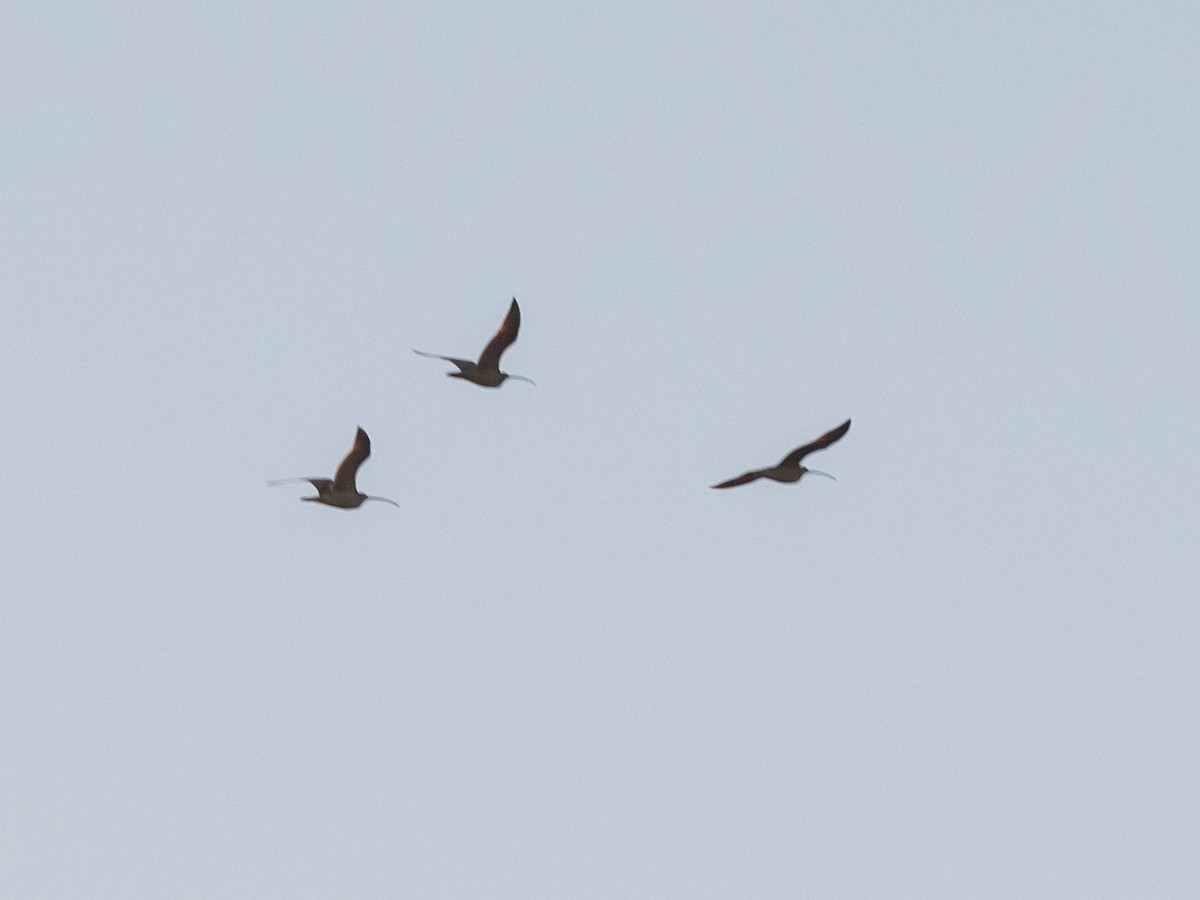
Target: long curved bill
(819,472)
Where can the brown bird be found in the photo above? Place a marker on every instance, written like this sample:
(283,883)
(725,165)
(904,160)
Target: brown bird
(789,468)
(340,491)
(486,372)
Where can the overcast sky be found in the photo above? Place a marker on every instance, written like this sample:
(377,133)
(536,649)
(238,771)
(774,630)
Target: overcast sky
(565,667)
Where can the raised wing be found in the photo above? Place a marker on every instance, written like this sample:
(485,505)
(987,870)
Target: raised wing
(829,437)
(503,339)
(744,478)
(343,479)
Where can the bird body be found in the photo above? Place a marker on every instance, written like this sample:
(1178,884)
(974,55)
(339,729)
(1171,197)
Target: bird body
(486,372)
(789,469)
(341,491)
(341,500)
(783,474)
(470,371)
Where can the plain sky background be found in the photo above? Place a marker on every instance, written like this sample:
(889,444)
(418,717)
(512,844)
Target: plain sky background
(565,668)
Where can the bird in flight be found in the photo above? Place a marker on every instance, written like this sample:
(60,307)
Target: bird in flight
(789,468)
(340,490)
(486,372)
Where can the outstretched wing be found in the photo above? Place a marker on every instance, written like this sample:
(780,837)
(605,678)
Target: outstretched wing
(503,339)
(321,484)
(744,478)
(463,364)
(343,479)
(829,437)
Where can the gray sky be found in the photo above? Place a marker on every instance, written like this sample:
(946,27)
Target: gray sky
(565,668)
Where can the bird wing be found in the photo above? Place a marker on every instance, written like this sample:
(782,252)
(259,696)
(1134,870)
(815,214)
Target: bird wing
(793,458)
(744,478)
(343,479)
(463,364)
(321,484)
(503,339)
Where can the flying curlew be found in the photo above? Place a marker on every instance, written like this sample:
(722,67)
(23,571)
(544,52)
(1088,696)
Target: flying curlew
(340,490)
(486,372)
(789,468)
